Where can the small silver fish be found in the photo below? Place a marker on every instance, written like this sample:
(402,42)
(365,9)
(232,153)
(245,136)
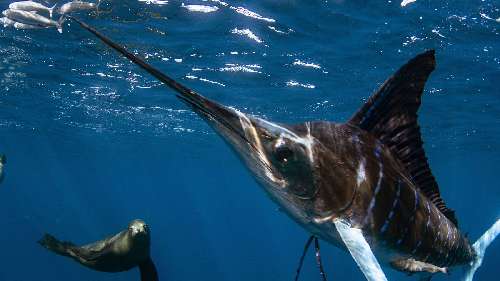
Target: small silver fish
(77,6)
(6,22)
(32,19)
(2,164)
(406,2)
(19,25)
(31,6)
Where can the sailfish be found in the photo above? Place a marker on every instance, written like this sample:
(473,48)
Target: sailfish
(364,186)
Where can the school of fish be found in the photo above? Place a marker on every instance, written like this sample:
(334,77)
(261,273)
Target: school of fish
(34,15)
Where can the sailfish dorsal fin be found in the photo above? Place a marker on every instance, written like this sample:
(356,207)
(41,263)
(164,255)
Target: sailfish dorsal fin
(391,115)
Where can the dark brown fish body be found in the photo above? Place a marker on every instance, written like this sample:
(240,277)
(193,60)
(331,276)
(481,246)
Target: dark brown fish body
(376,195)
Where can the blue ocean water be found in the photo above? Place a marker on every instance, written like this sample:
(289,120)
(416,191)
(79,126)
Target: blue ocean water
(93,142)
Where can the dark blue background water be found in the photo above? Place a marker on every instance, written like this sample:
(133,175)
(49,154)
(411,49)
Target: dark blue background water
(93,142)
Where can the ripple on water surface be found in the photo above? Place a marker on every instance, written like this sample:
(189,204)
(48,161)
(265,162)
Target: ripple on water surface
(280,51)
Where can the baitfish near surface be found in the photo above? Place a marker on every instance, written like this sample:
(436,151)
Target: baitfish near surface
(6,21)
(32,19)
(19,25)
(75,6)
(30,6)
(2,165)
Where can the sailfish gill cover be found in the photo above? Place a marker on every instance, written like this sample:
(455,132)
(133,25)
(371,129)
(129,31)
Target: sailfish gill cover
(93,142)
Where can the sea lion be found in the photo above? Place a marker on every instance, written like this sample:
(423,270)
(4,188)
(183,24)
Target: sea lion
(121,252)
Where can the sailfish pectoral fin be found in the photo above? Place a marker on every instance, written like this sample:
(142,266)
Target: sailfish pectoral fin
(361,252)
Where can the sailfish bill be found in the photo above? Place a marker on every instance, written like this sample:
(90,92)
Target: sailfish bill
(364,186)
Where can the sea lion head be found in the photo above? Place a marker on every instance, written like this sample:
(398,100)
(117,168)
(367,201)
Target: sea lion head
(138,228)
(138,240)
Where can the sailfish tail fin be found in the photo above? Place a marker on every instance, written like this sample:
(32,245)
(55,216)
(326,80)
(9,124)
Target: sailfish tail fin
(480,247)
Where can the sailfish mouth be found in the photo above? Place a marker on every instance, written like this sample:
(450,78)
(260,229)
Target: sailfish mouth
(235,127)
(217,113)
(240,131)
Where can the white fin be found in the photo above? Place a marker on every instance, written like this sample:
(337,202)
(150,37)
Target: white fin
(360,251)
(51,10)
(60,22)
(480,247)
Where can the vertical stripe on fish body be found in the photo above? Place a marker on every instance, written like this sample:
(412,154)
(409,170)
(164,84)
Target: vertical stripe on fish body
(400,220)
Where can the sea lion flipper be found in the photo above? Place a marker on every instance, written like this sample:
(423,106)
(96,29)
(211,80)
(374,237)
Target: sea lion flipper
(148,270)
(51,243)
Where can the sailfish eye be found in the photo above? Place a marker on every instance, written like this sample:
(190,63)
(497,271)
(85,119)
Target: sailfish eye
(283,153)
